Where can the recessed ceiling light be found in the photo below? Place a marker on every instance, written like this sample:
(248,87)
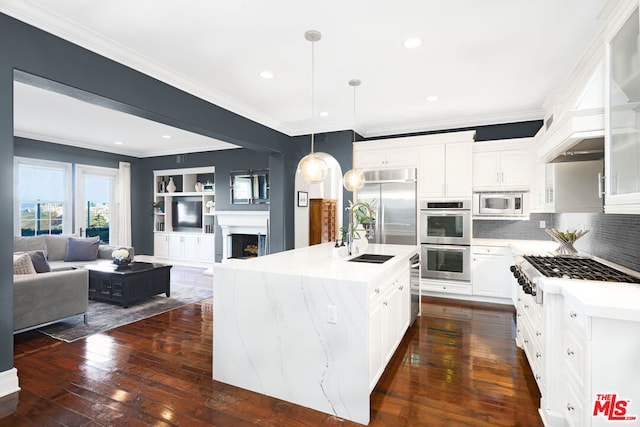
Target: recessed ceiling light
(166,136)
(324,113)
(266,74)
(432,98)
(118,142)
(412,43)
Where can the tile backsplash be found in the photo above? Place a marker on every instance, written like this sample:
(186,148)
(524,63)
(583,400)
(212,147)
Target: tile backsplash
(507,229)
(615,238)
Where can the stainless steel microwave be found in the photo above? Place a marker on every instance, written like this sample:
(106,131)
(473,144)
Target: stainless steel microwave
(500,204)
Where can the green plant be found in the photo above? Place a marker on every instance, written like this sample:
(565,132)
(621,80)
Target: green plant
(363,212)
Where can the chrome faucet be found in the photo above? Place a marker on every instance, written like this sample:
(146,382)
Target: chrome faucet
(351,230)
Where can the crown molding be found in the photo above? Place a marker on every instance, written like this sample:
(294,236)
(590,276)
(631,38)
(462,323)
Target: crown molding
(466,122)
(53,23)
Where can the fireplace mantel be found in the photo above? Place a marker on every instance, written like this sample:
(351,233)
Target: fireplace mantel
(241,222)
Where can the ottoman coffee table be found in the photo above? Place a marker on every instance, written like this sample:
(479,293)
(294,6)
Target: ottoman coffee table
(124,285)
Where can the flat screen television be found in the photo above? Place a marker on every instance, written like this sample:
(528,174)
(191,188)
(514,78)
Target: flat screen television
(186,214)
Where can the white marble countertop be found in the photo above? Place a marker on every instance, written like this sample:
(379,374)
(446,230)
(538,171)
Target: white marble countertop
(320,261)
(619,301)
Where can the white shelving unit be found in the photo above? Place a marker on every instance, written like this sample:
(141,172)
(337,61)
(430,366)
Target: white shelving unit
(194,244)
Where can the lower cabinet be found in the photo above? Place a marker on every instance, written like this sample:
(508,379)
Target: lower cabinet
(600,362)
(185,247)
(389,315)
(490,275)
(161,245)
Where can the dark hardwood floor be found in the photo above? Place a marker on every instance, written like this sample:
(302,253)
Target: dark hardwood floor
(457,366)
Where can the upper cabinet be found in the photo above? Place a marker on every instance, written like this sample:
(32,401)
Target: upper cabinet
(443,161)
(388,153)
(445,170)
(502,165)
(622,142)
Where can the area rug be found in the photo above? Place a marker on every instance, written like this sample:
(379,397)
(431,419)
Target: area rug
(104,316)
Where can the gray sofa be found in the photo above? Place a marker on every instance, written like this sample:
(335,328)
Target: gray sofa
(44,298)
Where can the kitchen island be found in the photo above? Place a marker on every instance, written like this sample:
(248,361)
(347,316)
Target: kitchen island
(310,327)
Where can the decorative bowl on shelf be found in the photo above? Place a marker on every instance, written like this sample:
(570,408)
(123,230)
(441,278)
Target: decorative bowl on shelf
(566,239)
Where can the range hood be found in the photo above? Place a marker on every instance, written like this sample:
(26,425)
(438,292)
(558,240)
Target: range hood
(579,137)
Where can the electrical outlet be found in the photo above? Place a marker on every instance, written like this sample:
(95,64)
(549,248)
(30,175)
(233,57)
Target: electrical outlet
(332,314)
(543,224)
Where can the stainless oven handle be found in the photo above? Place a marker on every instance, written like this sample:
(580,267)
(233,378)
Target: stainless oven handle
(445,247)
(446,213)
(416,265)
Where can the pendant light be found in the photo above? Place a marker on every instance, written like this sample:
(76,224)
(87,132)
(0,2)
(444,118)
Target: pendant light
(353,179)
(313,168)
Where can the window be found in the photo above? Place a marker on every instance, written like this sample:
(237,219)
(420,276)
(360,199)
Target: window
(95,201)
(43,197)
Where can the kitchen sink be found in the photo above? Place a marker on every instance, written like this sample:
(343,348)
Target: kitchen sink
(372,258)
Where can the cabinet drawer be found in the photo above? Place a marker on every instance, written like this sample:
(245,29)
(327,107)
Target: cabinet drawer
(573,408)
(451,288)
(575,357)
(576,320)
(492,250)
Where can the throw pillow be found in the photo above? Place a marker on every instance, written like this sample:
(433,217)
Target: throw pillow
(22,264)
(39,261)
(80,249)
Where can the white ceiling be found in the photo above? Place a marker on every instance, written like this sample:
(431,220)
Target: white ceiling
(487,61)
(53,117)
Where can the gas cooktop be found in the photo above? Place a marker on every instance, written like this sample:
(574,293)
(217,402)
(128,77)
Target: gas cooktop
(578,268)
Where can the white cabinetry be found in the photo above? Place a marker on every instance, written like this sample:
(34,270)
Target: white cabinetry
(600,357)
(191,247)
(190,240)
(445,170)
(622,144)
(389,303)
(502,165)
(161,245)
(490,275)
(371,155)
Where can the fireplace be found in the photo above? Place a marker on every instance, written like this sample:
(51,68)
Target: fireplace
(244,225)
(247,245)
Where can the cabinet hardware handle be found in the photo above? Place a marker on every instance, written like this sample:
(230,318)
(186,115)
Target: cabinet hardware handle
(401,287)
(518,330)
(601,191)
(526,306)
(497,177)
(385,303)
(538,333)
(377,290)
(501,177)
(570,352)
(573,314)
(526,341)
(538,377)
(569,407)
(538,354)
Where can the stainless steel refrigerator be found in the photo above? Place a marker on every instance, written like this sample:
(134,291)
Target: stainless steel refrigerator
(394,193)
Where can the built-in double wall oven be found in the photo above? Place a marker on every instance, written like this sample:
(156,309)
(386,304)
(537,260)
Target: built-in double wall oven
(445,237)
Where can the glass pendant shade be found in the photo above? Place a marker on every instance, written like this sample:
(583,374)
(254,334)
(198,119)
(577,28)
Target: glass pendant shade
(353,180)
(313,168)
